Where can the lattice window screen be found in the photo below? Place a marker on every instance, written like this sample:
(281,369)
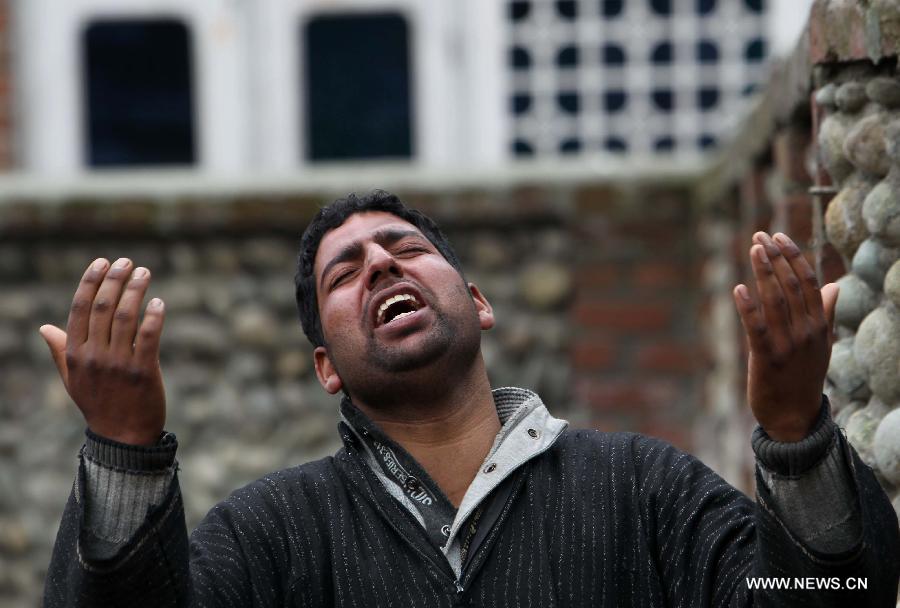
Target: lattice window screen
(636,77)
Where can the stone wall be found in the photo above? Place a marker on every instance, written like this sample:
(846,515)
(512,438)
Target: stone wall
(819,159)
(593,304)
(859,144)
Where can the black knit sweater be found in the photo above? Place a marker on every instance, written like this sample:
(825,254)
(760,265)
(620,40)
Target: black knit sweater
(599,519)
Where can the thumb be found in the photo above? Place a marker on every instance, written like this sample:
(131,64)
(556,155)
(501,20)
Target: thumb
(829,300)
(56,341)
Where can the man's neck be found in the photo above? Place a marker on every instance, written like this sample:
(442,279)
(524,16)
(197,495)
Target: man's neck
(449,437)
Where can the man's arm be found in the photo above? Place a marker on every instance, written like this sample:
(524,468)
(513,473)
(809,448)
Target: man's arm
(122,539)
(713,547)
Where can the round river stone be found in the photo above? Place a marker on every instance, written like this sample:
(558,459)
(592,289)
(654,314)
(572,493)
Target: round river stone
(892,284)
(885,91)
(877,349)
(855,300)
(864,146)
(886,447)
(832,133)
(881,212)
(844,223)
(872,260)
(861,427)
(845,372)
(851,97)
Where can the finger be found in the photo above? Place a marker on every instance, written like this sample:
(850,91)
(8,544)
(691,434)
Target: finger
(125,319)
(809,284)
(752,319)
(146,347)
(788,281)
(829,300)
(106,300)
(773,302)
(56,341)
(80,311)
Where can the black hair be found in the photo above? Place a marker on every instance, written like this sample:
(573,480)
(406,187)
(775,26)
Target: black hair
(332,216)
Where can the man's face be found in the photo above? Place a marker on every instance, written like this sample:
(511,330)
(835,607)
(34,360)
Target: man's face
(390,305)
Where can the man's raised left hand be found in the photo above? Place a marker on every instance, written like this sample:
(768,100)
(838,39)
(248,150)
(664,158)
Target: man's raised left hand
(789,330)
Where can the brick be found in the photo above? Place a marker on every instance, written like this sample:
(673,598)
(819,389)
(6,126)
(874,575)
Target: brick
(596,276)
(628,316)
(595,199)
(793,216)
(667,356)
(674,433)
(613,395)
(638,395)
(593,355)
(789,151)
(659,275)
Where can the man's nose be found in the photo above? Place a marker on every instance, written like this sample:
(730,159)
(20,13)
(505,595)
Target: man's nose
(380,265)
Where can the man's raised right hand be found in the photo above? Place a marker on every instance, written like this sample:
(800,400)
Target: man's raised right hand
(108,364)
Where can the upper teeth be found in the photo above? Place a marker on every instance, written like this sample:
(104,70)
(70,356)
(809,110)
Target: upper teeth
(392,300)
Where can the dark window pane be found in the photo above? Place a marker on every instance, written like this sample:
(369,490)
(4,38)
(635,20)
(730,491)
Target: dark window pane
(614,101)
(358,101)
(707,51)
(522,148)
(566,9)
(661,7)
(568,102)
(662,53)
(663,99)
(138,92)
(570,146)
(756,6)
(616,144)
(706,141)
(519,58)
(664,144)
(705,7)
(519,10)
(756,50)
(567,57)
(707,98)
(611,8)
(748,90)
(521,103)
(613,54)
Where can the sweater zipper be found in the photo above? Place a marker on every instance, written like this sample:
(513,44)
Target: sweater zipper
(441,565)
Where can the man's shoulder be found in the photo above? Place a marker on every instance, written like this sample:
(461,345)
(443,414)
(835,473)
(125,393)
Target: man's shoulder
(289,487)
(591,440)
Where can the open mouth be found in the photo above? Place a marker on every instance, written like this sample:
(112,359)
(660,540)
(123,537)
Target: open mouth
(397,307)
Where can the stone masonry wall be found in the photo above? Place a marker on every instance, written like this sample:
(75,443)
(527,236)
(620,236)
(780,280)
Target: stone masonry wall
(859,144)
(820,159)
(571,272)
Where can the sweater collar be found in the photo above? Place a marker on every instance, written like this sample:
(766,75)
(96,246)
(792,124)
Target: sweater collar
(527,430)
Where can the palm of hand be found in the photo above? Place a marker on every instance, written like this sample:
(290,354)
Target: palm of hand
(109,363)
(789,334)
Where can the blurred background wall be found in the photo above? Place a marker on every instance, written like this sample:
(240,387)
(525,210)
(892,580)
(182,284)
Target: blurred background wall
(599,165)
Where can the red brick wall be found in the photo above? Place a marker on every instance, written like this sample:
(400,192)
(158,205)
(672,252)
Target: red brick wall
(6,147)
(634,347)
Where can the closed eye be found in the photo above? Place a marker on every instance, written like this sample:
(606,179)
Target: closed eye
(340,278)
(412,249)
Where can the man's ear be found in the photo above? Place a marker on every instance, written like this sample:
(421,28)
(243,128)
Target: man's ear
(485,311)
(326,372)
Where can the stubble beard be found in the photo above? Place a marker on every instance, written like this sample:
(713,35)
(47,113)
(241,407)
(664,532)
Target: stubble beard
(398,359)
(383,368)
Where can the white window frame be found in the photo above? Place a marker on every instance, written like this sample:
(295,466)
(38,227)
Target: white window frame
(457,109)
(52,112)
(246,61)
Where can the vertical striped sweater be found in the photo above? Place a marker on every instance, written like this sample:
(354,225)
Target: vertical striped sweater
(595,519)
